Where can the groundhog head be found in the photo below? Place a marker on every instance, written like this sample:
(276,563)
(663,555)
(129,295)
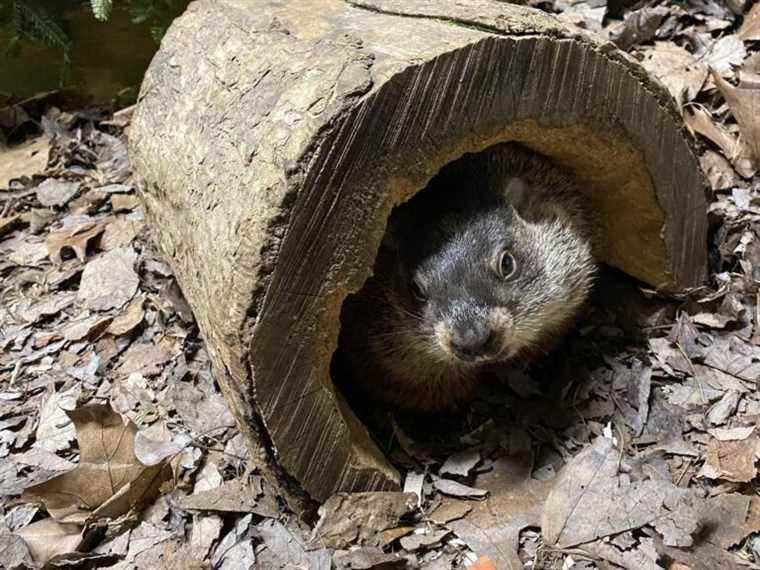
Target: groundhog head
(491,275)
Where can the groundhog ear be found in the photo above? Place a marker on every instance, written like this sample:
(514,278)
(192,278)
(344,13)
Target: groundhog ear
(517,193)
(516,217)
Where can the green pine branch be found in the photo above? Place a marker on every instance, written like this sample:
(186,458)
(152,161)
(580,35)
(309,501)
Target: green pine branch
(101,9)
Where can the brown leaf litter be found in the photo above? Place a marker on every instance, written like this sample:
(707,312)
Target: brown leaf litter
(635,448)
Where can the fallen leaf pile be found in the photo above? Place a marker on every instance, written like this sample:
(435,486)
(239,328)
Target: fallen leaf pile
(106,394)
(634,446)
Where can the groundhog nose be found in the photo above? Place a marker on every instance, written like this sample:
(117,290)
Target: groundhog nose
(472,342)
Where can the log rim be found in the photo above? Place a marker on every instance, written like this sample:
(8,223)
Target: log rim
(331,315)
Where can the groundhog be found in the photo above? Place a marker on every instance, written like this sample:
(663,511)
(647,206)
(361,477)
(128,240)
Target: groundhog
(489,263)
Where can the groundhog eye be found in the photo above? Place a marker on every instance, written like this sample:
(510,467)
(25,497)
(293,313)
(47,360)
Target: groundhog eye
(506,266)
(418,292)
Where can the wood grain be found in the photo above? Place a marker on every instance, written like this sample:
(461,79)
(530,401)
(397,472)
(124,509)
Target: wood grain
(272,141)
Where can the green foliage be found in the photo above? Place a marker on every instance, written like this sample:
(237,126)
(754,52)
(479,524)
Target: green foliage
(42,21)
(101,9)
(158,13)
(33,21)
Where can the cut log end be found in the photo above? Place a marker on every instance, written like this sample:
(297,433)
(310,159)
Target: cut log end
(274,140)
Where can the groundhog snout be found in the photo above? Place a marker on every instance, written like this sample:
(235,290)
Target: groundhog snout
(474,341)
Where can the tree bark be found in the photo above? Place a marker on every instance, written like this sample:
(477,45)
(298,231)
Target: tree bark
(273,138)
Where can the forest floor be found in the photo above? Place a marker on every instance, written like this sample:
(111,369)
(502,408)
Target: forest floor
(633,446)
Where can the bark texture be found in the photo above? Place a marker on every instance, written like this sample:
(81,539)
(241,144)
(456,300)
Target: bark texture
(274,137)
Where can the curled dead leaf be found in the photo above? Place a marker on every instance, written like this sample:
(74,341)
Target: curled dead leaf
(699,120)
(130,319)
(75,238)
(744,101)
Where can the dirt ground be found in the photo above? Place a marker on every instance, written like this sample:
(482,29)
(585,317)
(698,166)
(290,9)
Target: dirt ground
(633,446)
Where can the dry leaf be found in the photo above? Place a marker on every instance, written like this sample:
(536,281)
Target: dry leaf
(27,252)
(53,192)
(147,546)
(200,410)
(120,233)
(133,397)
(109,479)
(725,521)
(109,281)
(744,101)
(49,538)
(639,26)
(235,496)
(750,28)
(642,556)
(413,483)
(493,526)
(124,202)
(449,487)
(149,450)
(586,14)
(731,460)
(460,463)
(639,383)
(24,160)
(590,501)
(130,319)
(450,510)
(146,359)
(116,188)
(76,238)
(279,547)
(236,549)
(728,519)
(728,434)
(205,532)
(14,553)
(208,478)
(393,534)
(348,518)
(677,69)
(87,328)
(55,432)
(50,306)
(699,120)
(424,539)
(368,558)
(725,54)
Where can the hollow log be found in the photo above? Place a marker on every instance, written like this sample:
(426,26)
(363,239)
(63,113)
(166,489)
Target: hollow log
(273,138)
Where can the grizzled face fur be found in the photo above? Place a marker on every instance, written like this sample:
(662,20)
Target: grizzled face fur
(487,276)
